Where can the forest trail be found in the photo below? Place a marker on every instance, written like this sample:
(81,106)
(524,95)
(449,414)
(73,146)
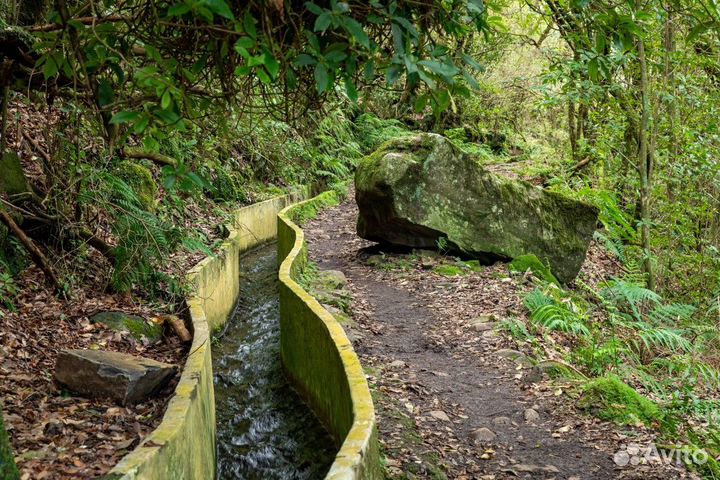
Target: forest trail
(450,402)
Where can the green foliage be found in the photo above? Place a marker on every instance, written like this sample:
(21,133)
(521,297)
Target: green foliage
(609,398)
(140,179)
(8,470)
(8,289)
(144,241)
(309,210)
(372,131)
(530,262)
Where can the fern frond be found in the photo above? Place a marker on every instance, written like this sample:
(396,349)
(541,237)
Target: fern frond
(557,317)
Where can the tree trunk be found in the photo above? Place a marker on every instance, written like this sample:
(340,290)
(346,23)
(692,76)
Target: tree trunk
(644,166)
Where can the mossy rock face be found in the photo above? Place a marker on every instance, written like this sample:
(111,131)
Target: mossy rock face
(415,190)
(138,327)
(12,180)
(141,181)
(609,398)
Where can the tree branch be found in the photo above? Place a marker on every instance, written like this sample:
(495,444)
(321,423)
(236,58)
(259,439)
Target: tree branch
(136,152)
(38,257)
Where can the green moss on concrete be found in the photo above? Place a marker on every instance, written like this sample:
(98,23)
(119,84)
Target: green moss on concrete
(309,210)
(8,470)
(530,262)
(609,398)
(140,180)
(183,445)
(320,362)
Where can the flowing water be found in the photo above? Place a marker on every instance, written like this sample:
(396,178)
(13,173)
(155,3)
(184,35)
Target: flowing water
(264,429)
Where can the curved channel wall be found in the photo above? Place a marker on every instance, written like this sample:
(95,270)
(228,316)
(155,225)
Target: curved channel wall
(182,447)
(319,359)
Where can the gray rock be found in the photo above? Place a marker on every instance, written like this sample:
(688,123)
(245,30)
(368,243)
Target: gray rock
(332,279)
(415,190)
(124,378)
(531,416)
(440,415)
(482,326)
(137,326)
(510,354)
(483,435)
(502,421)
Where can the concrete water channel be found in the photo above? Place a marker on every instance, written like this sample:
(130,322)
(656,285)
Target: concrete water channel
(264,430)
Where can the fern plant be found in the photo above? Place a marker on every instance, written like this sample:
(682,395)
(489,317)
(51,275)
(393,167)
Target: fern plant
(143,240)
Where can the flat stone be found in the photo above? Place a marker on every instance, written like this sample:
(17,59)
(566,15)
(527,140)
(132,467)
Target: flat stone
(396,364)
(332,279)
(484,326)
(509,353)
(531,416)
(122,377)
(502,421)
(483,435)
(137,326)
(440,415)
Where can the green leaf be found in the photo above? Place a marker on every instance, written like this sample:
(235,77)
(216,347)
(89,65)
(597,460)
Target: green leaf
(141,124)
(165,100)
(264,78)
(351,90)
(304,59)
(313,8)
(249,25)
(593,69)
(421,102)
(357,31)
(271,64)
(220,7)
(323,22)
(50,68)
(123,117)
(178,10)
(245,42)
(322,78)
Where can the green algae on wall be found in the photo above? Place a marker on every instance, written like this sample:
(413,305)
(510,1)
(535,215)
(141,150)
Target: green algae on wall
(320,362)
(182,447)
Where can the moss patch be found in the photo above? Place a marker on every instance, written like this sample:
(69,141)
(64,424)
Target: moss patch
(523,263)
(137,326)
(308,211)
(12,180)
(609,398)
(140,180)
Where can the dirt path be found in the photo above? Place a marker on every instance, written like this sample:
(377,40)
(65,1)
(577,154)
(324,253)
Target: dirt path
(449,401)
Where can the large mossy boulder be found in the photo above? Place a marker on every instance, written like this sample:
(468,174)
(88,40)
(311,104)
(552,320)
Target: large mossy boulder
(417,190)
